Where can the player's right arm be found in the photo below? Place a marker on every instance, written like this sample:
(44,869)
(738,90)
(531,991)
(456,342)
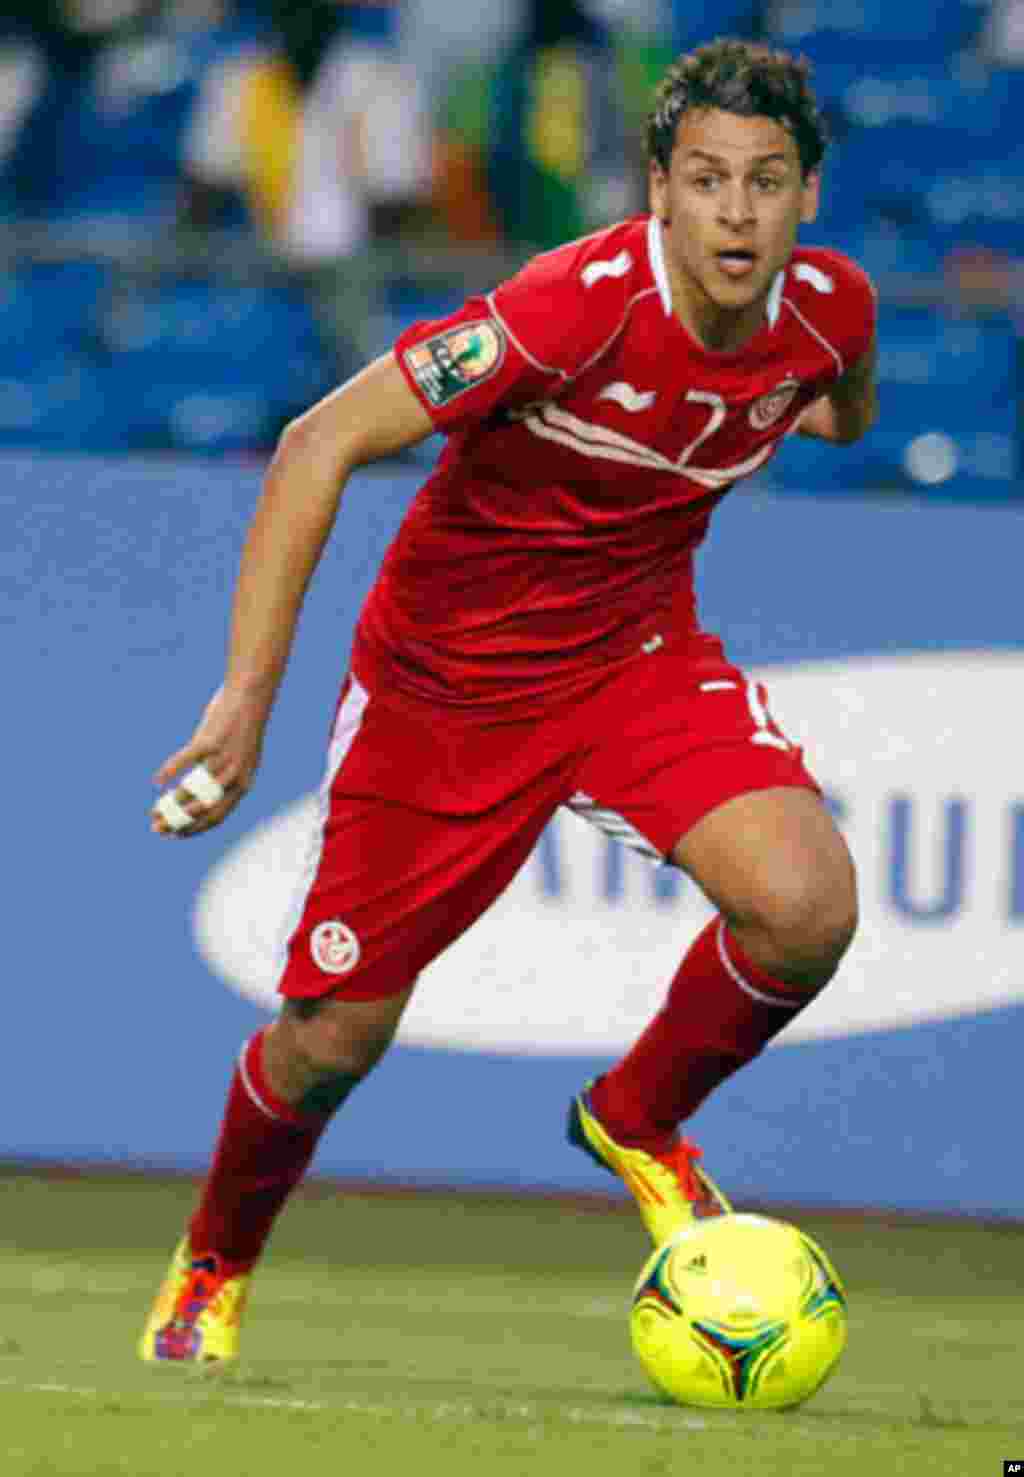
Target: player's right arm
(373,415)
(850,408)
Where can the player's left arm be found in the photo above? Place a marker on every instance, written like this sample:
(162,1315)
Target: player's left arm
(850,408)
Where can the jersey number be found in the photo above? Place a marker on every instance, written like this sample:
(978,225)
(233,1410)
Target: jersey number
(715,419)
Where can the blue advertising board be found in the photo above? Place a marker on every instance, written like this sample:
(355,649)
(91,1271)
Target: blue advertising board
(889,637)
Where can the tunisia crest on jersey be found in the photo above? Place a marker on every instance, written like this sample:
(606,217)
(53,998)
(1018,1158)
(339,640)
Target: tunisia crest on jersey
(767,409)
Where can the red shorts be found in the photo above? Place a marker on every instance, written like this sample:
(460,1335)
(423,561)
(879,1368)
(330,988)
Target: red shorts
(427,813)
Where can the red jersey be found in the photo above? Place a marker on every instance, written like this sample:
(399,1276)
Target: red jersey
(589,438)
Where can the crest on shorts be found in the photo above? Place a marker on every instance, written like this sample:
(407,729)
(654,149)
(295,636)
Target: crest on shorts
(767,409)
(334,947)
(456,360)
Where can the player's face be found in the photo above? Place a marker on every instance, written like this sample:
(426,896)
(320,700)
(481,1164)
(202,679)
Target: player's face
(730,204)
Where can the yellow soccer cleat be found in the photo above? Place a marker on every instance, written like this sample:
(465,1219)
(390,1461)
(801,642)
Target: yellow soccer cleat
(668,1185)
(196,1315)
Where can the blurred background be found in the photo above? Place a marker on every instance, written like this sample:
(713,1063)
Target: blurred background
(212,210)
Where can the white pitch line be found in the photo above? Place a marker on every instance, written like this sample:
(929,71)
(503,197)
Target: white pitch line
(89,1392)
(443,1410)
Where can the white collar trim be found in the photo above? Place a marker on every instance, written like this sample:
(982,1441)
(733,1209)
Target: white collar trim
(656,252)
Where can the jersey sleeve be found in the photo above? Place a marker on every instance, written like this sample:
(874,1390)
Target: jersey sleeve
(523,342)
(856,309)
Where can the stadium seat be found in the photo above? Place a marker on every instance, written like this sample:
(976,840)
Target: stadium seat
(809,466)
(107,144)
(924,92)
(941,180)
(104,145)
(223,351)
(948,421)
(936,370)
(215,418)
(898,260)
(403,303)
(692,25)
(974,466)
(65,403)
(866,31)
(979,201)
(47,309)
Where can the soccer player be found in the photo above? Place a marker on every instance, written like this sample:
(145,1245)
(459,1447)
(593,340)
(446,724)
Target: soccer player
(532,641)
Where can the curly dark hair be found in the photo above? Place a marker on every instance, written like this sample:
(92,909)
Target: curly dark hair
(739,77)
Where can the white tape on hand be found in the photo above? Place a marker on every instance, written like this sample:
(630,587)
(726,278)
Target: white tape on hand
(202,784)
(176,816)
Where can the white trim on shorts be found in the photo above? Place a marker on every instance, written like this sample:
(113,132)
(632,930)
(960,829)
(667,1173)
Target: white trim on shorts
(343,736)
(613,824)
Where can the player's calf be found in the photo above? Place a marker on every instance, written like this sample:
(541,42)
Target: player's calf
(290,1079)
(318,1050)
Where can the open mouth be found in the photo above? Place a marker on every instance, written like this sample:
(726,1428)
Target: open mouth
(736,262)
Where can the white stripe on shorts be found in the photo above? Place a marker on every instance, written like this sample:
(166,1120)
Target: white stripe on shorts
(346,726)
(613,824)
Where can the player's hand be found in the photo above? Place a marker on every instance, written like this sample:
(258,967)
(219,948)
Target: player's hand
(221,756)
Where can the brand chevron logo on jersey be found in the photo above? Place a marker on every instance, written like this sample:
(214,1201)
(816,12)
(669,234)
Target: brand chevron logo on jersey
(624,394)
(617,266)
(820,281)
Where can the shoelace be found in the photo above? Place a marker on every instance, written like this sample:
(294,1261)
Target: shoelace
(199,1290)
(681,1159)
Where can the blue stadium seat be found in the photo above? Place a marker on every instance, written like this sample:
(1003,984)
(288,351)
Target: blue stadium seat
(901,133)
(924,92)
(941,180)
(107,144)
(865,31)
(895,258)
(694,24)
(948,422)
(803,464)
(214,418)
(936,370)
(64,403)
(973,466)
(47,309)
(403,303)
(977,201)
(216,338)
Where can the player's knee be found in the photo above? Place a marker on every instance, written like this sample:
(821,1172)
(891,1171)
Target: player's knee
(808,920)
(330,1049)
(332,1040)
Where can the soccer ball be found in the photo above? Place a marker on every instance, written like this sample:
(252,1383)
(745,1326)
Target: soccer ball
(741,1312)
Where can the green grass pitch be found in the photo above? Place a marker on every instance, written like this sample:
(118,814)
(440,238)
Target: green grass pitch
(465,1334)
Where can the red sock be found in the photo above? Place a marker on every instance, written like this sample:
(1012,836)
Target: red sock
(262,1153)
(720,1011)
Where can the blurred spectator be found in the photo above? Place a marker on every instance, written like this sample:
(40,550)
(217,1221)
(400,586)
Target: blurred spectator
(22,77)
(323,131)
(534,145)
(986,281)
(557,161)
(1002,40)
(982,283)
(112,84)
